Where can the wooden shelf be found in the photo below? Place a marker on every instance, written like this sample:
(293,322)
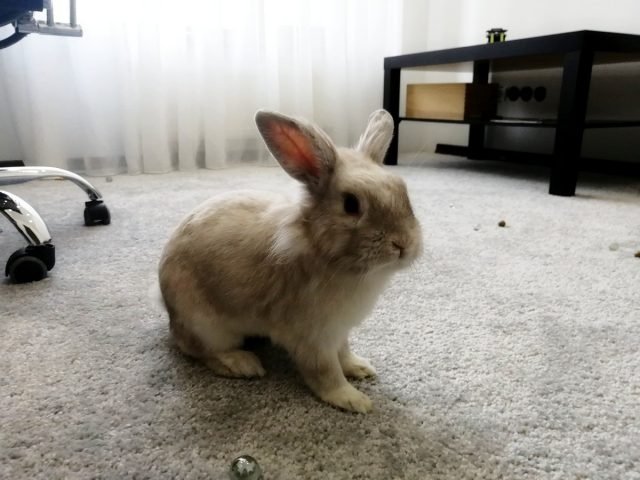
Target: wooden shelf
(537,52)
(521,122)
(489,122)
(613,167)
(574,53)
(612,123)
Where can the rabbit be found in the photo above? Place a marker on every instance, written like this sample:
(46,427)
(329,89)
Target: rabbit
(301,272)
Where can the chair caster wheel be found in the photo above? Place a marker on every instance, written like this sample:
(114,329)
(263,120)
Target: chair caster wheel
(96,213)
(31,264)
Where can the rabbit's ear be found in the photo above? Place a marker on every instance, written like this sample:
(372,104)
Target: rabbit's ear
(303,150)
(376,139)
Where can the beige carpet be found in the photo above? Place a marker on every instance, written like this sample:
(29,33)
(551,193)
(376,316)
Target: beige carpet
(505,353)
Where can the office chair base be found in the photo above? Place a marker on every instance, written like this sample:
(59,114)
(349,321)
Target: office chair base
(96,213)
(12,175)
(31,264)
(25,218)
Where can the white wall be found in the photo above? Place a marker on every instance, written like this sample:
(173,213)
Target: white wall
(436,24)
(526,18)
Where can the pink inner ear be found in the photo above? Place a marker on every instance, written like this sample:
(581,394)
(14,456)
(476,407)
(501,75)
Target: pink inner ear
(295,148)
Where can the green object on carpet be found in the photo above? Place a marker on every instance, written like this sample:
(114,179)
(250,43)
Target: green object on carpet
(245,467)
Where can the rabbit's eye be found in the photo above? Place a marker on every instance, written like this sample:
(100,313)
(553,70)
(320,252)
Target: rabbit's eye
(351,204)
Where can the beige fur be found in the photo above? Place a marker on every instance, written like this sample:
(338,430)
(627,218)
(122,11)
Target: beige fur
(303,274)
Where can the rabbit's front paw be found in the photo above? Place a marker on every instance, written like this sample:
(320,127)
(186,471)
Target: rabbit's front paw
(349,398)
(357,367)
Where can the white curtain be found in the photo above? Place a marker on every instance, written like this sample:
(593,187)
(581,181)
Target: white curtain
(161,85)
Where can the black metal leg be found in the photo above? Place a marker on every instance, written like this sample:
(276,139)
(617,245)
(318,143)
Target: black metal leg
(476,132)
(391,103)
(572,110)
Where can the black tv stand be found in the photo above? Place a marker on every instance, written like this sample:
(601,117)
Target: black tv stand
(575,52)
